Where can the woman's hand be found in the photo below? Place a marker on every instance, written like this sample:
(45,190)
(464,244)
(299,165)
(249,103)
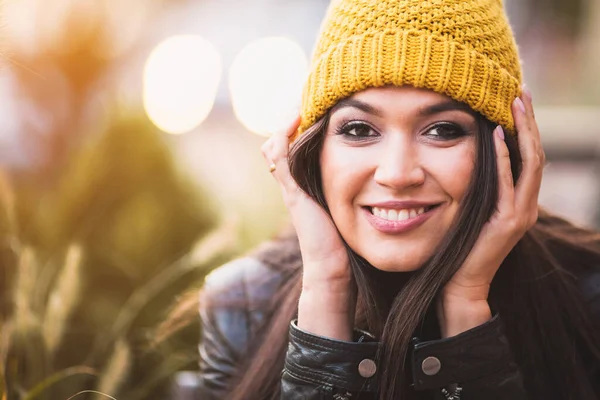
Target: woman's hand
(463,303)
(328,300)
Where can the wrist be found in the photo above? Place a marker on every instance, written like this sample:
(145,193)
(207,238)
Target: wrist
(460,315)
(327,276)
(327,302)
(327,313)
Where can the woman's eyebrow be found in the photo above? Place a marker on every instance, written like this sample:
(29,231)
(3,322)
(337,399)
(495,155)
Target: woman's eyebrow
(449,105)
(369,109)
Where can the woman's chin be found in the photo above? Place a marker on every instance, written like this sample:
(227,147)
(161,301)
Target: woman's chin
(395,268)
(393,265)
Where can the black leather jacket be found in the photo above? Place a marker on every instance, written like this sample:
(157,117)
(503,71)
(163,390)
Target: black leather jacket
(326,369)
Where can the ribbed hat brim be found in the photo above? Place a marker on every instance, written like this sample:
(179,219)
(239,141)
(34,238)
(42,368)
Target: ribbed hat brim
(414,58)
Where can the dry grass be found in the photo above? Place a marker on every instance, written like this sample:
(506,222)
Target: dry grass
(63,299)
(36,329)
(117,368)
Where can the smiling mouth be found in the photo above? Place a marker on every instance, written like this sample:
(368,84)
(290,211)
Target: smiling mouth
(403,214)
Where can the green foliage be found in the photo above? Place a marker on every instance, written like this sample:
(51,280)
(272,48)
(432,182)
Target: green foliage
(98,253)
(100,233)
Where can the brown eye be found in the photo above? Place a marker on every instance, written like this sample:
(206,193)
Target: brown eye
(356,130)
(445,132)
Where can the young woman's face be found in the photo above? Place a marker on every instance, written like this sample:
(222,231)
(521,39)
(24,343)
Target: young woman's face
(396,163)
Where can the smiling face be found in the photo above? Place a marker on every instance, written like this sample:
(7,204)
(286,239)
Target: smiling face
(395,166)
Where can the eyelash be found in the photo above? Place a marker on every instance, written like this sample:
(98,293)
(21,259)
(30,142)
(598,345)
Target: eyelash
(455,131)
(345,128)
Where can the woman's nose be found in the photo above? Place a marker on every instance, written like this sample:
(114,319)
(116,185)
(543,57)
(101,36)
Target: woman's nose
(399,165)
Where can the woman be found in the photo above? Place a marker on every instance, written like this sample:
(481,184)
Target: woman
(422,268)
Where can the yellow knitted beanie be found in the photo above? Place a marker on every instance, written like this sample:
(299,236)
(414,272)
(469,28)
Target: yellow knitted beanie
(461,48)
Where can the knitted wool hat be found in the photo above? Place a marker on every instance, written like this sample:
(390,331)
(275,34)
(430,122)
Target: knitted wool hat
(461,48)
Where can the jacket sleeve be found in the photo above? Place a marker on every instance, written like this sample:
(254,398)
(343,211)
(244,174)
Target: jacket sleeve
(224,332)
(217,359)
(324,369)
(231,310)
(478,361)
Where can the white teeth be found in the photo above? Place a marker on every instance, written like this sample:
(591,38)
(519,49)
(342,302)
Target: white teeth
(392,215)
(397,215)
(403,215)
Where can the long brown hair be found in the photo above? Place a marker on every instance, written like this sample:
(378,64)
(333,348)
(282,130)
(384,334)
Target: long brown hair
(552,333)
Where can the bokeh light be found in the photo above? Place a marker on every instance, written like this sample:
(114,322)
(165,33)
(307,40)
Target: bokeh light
(181,79)
(265,81)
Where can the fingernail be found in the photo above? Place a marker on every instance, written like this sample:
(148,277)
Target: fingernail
(500,132)
(520,104)
(527,92)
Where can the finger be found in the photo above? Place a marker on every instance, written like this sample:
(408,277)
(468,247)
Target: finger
(532,155)
(527,103)
(266,150)
(505,180)
(270,149)
(293,128)
(527,99)
(277,156)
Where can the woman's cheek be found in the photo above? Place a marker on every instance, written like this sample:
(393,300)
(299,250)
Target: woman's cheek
(452,169)
(344,172)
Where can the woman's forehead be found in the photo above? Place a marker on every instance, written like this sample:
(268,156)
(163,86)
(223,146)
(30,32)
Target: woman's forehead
(400,93)
(404,99)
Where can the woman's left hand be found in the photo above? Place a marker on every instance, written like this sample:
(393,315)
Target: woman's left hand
(463,303)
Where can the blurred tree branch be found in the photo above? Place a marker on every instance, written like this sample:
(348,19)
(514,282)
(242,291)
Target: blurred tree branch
(106,180)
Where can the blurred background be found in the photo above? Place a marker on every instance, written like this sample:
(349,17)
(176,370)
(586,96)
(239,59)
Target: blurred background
(130,166)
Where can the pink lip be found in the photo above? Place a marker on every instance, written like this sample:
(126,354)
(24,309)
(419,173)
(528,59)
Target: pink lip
(394,227)
(397,205)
